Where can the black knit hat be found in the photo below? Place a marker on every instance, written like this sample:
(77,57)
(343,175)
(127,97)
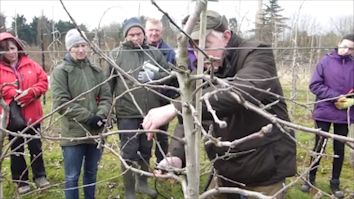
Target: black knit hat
(349,37)
(130,23)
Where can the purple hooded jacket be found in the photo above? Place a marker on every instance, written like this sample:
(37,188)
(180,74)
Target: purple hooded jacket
(334,76)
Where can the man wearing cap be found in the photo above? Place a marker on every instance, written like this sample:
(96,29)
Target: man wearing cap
(82,117)
(265,162)
(144,63)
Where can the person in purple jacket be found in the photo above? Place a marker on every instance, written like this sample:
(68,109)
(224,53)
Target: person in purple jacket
(192,58)
(333,83)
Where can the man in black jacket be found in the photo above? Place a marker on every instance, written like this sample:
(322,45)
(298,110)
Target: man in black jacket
(266,161)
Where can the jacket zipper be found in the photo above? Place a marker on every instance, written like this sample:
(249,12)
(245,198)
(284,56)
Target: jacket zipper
(85,78)
(141,60)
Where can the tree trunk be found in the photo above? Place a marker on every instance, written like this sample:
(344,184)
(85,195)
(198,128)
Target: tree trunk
(312,52)
(3,125)
(192,137)
(351,151)
(294,71)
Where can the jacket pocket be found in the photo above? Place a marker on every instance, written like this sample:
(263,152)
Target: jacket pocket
(252,167)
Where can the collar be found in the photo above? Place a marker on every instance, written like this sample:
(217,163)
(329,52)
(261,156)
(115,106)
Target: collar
(158,44)
(129,44)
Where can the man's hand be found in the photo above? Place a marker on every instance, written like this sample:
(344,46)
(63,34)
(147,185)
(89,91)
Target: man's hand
(146,76)
(344,103)
(148,66)
(25,97)
(167,164)
(157,117)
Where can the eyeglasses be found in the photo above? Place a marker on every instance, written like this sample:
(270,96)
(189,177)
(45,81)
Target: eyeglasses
(346,47)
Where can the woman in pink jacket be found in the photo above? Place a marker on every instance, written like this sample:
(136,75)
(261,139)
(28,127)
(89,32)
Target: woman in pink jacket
(24,81)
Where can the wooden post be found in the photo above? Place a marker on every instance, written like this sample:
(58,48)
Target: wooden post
(258,20)
(43,50)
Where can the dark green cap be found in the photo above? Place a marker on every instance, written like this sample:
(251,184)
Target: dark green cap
(215,21)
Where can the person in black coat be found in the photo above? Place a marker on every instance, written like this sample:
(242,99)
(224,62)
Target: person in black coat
(268,160)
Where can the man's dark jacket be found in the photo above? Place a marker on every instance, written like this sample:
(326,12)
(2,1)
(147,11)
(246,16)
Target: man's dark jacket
(263,161)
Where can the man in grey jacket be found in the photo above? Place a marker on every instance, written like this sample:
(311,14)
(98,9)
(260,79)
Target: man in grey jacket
(143,63)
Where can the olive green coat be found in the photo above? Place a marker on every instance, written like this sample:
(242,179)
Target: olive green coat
(70,79)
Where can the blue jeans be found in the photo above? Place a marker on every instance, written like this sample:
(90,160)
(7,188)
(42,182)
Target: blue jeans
(74,156)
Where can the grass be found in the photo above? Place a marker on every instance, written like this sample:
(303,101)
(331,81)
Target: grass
(301,115)
(109,181)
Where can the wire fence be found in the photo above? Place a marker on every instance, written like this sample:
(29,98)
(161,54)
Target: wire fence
(206,49)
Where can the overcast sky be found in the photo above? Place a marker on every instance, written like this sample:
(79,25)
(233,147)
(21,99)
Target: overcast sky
(90,12)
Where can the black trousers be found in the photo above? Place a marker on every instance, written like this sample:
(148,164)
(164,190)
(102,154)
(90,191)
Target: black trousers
(19,170)
(338,148)
(162,141)
(134,146)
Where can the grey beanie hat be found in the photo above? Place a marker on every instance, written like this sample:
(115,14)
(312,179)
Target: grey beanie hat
(72,38)
(130,23)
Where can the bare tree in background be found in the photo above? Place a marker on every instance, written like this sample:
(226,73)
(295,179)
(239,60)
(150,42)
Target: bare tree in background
(2,23)
(343,25)
(270,23)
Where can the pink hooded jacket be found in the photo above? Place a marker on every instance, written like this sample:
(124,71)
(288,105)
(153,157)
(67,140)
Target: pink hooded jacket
(30,75)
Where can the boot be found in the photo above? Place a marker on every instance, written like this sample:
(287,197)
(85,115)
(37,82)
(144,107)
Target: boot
(24,189)
(334,183)
(41,182)
(141,185)
(129,184)
(307,185)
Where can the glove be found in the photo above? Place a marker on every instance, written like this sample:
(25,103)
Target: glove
(95,122)
(151,67)
(25,97)
(344,103)
(169,162)
(146,76)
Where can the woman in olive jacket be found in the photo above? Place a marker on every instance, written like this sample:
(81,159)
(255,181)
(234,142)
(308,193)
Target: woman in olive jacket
(82,117)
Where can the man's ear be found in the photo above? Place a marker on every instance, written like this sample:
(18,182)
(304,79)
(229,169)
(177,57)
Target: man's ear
(227,35)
